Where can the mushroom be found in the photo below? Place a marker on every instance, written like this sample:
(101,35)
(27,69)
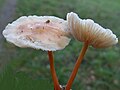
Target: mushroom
(90,33)
(48,33)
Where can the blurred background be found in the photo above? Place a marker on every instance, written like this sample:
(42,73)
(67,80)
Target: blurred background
(28,69)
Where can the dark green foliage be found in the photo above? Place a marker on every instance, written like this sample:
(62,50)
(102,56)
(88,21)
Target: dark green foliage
(11,80)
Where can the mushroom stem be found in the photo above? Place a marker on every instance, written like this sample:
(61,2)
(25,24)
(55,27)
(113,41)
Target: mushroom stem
(53,72)
(76,67)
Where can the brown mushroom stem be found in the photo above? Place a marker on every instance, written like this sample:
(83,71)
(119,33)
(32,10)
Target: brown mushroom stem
(53,72)
(76,67)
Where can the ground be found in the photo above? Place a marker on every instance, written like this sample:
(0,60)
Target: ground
(100,68)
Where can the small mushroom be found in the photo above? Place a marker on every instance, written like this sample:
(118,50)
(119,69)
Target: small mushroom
(39,32)
(87,30)
(90,33)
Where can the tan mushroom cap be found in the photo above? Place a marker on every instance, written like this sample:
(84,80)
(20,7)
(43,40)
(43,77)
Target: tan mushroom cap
(40,32)
(87,30)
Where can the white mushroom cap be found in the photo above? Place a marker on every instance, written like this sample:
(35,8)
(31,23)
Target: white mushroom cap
(87,30)
(40,32)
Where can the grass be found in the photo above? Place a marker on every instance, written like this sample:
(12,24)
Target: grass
(100,68)
(21,81)
(1,3)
